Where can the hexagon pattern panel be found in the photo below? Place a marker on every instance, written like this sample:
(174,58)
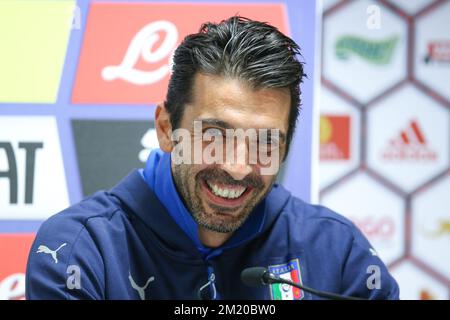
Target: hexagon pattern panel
(364,49)
(386,67)
(376,211)
(431,226)
(411,7)
(327,4)
(340,123)
(432,50)
(416,284)
(414,138)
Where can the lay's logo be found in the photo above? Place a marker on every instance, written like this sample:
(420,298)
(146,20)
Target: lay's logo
(141,48)
(334,137)
(127,52)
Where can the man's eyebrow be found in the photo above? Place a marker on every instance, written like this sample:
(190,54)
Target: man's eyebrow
(214,122)
(226,125)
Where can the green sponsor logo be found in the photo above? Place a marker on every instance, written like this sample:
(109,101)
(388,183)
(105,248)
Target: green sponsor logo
(376,52)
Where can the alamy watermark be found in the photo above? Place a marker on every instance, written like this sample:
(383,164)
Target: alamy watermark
(75,18)
(228,146)
(373,21)
(374,279)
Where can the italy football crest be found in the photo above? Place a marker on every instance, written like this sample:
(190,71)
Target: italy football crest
(289,271)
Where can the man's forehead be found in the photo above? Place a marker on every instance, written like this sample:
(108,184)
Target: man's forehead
(237,103)
(214,87)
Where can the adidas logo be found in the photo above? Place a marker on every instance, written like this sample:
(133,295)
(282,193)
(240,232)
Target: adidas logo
(410,144)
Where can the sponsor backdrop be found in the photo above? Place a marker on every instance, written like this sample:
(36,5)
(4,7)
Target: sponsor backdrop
(79,81)
(384,132)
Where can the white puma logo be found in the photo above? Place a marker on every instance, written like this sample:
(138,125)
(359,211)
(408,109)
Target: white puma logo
(45,249)
(140,290)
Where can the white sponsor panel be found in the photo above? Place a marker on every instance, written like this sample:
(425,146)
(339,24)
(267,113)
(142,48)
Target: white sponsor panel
(376,211)
(432,50)
(431,226)
(327,4)
(32,178)
(411,7)
(332,169)
(408,141)
(416,284)
(364,49)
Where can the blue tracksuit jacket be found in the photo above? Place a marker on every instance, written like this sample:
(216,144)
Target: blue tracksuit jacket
(123,244)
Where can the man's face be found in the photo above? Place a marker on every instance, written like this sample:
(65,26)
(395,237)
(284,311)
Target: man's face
(221,195)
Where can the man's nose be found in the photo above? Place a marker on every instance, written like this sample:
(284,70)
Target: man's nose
(236,170)
(238,166)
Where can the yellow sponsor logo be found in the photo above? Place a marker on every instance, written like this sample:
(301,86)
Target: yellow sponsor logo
(442,228)
(33,37)
(326,129)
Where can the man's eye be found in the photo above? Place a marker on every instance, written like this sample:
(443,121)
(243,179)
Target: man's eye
(213,132)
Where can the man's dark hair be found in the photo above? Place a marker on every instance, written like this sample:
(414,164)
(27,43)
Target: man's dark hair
(240,48)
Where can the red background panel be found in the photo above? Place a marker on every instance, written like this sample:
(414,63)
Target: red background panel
(124,21)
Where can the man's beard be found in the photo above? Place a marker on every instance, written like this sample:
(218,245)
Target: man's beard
(218,220)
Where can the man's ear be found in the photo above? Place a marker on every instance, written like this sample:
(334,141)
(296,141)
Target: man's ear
(163,128)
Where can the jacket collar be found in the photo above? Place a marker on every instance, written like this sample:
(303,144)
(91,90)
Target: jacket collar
(140,202)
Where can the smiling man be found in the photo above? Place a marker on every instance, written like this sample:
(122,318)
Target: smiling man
(206,205)
(221,195)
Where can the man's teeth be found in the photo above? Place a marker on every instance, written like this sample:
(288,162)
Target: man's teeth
(228,193)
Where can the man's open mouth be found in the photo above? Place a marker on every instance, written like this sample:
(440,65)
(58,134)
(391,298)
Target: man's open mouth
(224,194)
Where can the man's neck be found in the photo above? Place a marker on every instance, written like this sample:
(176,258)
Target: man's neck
(212,239)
